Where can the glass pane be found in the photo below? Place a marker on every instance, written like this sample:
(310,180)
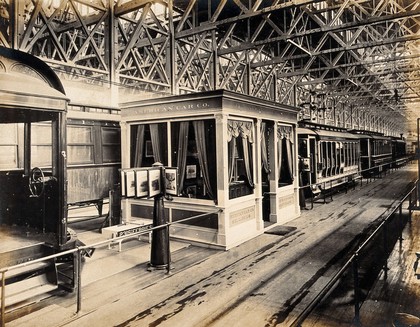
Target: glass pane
(110,136)
(8,133)
(111,153)
(79,134)
(41,155)
(8,157)
(78,154)
(41,134)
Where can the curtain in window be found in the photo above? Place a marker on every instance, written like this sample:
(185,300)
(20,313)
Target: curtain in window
(289,156)
(264,154)
(284,133)
(246,148)
(231,163)
(182,152)
(280,153)
(138,155)
(244,130)
(200,140)
(154,133)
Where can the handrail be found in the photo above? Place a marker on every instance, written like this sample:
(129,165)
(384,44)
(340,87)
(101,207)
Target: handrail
(77,250)
(353,258)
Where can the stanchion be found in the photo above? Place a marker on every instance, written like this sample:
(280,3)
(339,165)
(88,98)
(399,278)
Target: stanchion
(356,291)
(159,256)
(160,238)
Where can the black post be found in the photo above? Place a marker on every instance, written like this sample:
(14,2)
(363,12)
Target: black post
(160,237)
(356,291)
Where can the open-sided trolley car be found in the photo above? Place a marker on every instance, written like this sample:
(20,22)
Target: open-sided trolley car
(328,156)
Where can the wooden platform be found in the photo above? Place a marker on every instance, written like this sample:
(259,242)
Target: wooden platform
(266,281)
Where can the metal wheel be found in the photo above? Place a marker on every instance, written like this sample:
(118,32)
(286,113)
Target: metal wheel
(36,182)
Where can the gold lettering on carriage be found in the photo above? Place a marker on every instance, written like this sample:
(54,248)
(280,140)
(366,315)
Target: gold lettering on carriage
(241,216)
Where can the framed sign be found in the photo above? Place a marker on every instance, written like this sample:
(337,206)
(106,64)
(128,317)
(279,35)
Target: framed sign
(191,171)
(171,181)
(142,186)
(154,178)
(130,183)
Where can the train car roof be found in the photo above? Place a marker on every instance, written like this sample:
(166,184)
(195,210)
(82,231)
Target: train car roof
(27,83)
(335,135)
(325,134)
(308,131)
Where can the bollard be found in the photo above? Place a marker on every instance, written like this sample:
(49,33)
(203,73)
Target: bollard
(159,255)
(160,237)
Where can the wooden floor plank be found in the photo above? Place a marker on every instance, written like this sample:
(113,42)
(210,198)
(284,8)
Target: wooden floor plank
(266,281)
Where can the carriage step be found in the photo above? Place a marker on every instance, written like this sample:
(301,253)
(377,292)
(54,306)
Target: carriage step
(27,289)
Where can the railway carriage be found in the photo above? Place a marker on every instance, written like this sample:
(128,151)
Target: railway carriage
(399,152)
(328,157)
(33,199)
(375,153)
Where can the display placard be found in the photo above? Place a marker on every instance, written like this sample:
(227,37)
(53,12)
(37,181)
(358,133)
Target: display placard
(171,181)
(142,185)
(130,183)
(154,181)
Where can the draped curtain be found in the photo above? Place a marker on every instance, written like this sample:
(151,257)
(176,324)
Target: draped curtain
(154,133)
(244,130)
(231,163)
(284,134)
(200,140)
(182,153)
(138,155)
(264,154)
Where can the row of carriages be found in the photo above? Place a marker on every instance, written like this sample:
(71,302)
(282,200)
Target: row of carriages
(332,156)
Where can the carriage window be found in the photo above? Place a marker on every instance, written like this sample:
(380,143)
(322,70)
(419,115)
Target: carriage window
(240,160)
(8,146)
(41,154)
(193,147)
(111,151)
(149,144)
(285,155)
(80,144)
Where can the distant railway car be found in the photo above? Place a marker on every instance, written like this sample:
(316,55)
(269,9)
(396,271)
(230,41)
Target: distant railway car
(328,156)
(399,152)
(375,153)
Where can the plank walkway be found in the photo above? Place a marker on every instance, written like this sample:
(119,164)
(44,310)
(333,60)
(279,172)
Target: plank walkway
(266,281)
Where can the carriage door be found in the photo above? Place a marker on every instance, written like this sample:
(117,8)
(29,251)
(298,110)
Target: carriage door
(313,155)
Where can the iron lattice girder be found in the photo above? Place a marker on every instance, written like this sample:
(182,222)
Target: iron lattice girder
(245,50)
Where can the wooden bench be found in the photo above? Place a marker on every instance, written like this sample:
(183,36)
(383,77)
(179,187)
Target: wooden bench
(125,229)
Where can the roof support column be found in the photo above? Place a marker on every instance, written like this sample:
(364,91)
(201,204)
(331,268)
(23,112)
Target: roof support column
(171,62)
